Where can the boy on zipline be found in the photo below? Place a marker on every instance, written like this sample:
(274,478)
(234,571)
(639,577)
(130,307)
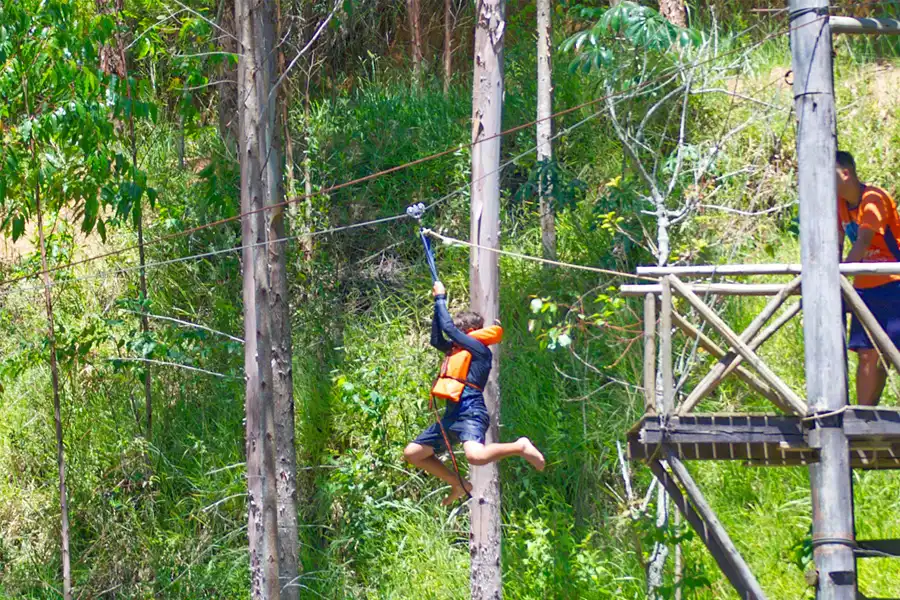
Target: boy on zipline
(868,218)
(461,382)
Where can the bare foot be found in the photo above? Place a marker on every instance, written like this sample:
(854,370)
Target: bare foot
(532,454)
(457,492)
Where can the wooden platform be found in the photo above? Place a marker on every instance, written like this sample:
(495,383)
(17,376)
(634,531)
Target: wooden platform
(769,439)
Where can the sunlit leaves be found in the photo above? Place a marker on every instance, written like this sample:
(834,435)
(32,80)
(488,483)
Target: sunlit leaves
(627,22)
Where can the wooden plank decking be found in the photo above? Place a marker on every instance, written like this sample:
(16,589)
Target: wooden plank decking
(770,439)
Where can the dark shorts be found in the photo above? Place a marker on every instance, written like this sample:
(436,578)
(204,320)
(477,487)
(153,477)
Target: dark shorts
(884,302)
(464,421)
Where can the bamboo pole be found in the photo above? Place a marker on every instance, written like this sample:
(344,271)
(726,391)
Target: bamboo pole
(719,371)
(797,405)
(867,25)
(876,332)
(759,386)
(649,353)
(884,268)
(712,289)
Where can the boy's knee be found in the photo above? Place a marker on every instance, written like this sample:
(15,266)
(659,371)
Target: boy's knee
(414,453)
(476,455)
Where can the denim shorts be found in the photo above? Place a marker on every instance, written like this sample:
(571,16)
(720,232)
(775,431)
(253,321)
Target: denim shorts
(464,421)
(884,302)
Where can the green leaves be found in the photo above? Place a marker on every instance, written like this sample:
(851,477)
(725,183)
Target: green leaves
(639,27)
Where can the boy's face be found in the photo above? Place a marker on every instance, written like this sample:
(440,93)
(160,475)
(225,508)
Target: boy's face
(846,182)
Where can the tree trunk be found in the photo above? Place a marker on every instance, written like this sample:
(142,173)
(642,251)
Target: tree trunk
(545,124)
(57,413)
(256,68)
(448,44)
(674,11)
(228,92)
(112,55)
(415,36)
(282,349)
(142,257)
(306,242)
(484,275)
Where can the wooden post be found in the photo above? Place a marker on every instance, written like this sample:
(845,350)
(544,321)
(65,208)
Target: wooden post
(826,370)
(650,353)
(484,274)
(665,350)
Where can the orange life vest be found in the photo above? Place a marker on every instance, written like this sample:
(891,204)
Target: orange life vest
(451,380)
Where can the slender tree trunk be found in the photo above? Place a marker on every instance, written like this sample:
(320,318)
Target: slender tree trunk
(282,348)
(228,92)
(142,259)
(306,242)
(484,274)
(674,11)
(57,413)
(415,35)
(256,142)
(448,44)
(545,124)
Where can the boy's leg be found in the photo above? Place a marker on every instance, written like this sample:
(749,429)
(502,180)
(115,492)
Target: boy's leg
(482,454)
(423,457)
(871,377)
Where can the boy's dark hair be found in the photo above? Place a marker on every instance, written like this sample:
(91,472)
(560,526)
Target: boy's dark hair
(467,321)
(845,160)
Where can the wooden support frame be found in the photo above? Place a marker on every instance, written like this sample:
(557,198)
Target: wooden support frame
(696,510)
(650,353)
(876,332)
(707,289)
(755,383)
(797,405)
(884,268)
(732,360)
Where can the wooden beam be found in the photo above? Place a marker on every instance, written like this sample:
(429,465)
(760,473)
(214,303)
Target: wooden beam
(756,384)
(665,351)
(885,268)
(878,549)
(769,331)
(864,25)
(714,289)
(649,353)
(697,511)
(797,405)
(876,332)
(731,360)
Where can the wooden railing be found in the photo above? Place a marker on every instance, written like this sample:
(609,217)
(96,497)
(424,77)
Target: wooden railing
(740,357)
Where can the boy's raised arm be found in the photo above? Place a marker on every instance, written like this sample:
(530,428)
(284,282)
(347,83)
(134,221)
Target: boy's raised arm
(437,336)
(456,336)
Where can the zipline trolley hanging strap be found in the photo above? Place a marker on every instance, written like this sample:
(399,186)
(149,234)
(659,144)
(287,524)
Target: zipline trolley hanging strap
(416,211)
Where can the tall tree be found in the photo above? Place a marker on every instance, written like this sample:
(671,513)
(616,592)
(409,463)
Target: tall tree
(282,347)
(257,133)
(449,22)
(413,9)
(674,11)
(484,279)
(545,125)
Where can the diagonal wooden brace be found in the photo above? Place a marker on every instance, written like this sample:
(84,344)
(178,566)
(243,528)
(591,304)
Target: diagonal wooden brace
(798,406)
(699,514)
(876,332)
(754,382)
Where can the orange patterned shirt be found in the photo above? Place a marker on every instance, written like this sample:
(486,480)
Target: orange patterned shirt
(876,212)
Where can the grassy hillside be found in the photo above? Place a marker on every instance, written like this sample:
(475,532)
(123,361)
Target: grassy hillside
(166,517)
